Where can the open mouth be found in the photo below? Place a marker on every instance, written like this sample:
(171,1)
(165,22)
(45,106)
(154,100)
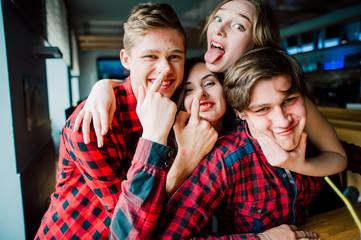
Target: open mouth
(165,84)
(205,106)
(214,53)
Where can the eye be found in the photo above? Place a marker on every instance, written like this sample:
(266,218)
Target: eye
(175,57)
(188,90)
(290,100)
(239,27)
(262,109)
(150,56)
(217,19)
(208,84)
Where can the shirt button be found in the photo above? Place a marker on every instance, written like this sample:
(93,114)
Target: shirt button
(284,175)
(166,164)
(170,153)
(259,211)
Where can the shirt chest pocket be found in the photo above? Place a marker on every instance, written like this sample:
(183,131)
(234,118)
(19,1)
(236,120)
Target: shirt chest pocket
(255,216)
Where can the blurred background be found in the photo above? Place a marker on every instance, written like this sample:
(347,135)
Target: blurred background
(53,51)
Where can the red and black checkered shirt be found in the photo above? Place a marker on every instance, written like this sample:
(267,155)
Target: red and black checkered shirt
(234,182)
(89,178)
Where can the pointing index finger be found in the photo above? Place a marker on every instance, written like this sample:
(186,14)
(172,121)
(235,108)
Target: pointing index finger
(159,80)
(195,107)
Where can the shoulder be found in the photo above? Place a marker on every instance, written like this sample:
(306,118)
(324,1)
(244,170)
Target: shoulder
(235,145)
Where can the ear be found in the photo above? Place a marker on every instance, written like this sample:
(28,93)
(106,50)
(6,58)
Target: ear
(240,115)
(125,59)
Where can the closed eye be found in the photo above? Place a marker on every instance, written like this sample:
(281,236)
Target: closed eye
(188,90)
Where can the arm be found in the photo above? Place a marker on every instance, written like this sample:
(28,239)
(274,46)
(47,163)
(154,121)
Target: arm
(99,107)
(103,169)
(282,232)
(195,138)
(143,192)
(332,158)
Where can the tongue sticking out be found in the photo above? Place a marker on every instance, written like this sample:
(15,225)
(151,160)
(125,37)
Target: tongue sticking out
(213,54)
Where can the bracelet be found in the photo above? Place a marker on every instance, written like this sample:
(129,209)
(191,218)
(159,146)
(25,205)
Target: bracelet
(264,234)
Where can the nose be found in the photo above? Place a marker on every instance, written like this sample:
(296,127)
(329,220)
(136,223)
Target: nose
(204,94)
(164,63)
(282,118)
(220,29)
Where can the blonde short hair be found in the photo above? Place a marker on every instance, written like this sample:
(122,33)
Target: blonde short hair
(146,17)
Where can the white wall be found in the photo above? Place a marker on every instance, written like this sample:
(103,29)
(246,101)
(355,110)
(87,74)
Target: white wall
(11,207)
(88,69)
(58,95)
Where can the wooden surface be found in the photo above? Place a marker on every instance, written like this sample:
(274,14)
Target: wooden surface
(336,225)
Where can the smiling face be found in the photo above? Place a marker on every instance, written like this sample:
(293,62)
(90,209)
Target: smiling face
(229,35)
(155,51)
(282,117)
(213,103)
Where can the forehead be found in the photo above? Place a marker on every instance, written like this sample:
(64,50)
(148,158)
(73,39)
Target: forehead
(239,8)
(264,89)
(198,73)
(160,39)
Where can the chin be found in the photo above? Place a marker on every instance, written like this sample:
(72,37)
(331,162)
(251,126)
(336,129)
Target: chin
(289,145)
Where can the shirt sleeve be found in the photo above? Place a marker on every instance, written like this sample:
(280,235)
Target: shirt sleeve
(104,168)
(192,205)
(143,193)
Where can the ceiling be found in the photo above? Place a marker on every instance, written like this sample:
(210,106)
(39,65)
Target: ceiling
(98,24)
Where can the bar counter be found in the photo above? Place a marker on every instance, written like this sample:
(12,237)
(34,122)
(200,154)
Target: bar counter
(334,225)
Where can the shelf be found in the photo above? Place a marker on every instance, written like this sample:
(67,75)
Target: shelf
(348,44)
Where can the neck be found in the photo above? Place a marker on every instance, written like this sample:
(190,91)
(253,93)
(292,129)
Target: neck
(218,126)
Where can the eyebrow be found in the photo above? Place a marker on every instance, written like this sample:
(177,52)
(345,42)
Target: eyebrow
(204,77)
(240,14)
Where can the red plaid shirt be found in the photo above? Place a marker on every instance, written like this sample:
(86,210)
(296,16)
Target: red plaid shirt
(89,178)
(234,182)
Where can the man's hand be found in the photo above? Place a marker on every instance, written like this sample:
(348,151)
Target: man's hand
(156,112)
(287,232)
(277,156)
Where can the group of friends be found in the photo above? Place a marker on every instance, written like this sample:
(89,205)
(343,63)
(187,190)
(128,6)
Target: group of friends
(182,143)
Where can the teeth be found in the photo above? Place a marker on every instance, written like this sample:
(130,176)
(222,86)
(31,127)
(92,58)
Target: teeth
(216,45)
(205,106)
(165,83)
